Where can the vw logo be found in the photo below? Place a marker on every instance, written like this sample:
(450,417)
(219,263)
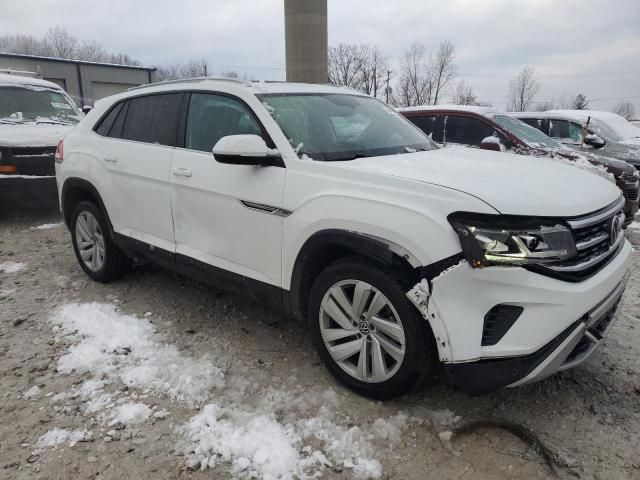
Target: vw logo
(364,328)
(614,230)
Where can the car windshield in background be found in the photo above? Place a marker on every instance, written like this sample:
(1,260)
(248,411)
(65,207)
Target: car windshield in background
(19,104)
(332,127)
(603,130)
(528,134)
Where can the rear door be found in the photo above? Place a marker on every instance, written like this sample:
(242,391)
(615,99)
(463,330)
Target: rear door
(137,138)
(226,216)
(432,125)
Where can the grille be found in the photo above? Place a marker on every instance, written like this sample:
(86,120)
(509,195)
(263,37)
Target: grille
(598,237)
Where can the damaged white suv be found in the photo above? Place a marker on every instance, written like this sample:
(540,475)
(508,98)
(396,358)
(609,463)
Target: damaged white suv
(327,203)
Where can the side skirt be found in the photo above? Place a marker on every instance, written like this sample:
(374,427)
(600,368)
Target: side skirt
(203,272)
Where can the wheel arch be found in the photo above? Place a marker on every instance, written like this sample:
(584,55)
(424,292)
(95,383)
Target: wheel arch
(327,246)
(75,190)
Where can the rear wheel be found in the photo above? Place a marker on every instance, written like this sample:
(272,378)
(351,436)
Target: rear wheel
(98,256)
(367,332)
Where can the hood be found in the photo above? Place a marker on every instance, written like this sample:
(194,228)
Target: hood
(613,165)
(32,135)
(512,184)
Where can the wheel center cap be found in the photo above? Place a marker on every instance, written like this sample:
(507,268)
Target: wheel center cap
(364,328)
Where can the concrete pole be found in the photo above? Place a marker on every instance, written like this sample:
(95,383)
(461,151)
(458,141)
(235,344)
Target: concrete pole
(305,26)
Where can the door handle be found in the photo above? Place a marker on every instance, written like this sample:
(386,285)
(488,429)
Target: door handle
(181,172)
(111,158)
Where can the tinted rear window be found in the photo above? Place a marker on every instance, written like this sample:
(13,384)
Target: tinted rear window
(107,122)
(153,119)
(466,130)
(431,125)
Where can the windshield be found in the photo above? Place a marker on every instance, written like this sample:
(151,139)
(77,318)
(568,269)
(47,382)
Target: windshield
(603,130)
(20,104)
(331,127)
(528,134)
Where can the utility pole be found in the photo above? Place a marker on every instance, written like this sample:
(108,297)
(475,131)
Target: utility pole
(388,90)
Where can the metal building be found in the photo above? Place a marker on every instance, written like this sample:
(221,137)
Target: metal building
(86,82)
(305,26)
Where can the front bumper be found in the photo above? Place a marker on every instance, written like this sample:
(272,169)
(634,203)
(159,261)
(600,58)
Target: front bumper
(569,349)
(554,320)
(27,193)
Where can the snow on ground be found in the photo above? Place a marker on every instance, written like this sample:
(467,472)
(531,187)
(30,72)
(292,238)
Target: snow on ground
(635,225)
(47,226)
(12,267)
(32,393)
(266,433)
(58,436)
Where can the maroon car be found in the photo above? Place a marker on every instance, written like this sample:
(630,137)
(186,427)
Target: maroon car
(489,129)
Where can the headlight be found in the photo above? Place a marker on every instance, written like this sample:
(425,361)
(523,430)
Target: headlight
(506,240)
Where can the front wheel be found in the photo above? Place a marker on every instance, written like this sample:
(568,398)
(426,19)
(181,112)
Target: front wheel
(368,334)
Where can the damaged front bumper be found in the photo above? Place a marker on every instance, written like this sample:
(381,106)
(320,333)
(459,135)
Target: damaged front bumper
(559,327)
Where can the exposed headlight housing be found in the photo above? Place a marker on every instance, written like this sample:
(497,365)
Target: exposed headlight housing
(507,240)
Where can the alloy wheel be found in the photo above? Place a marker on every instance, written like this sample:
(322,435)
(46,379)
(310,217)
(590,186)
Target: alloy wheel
(362,331)
(90,241)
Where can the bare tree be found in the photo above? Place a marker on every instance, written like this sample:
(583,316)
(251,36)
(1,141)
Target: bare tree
(373,71)
(415,86)
(544,106)
(61,43)
(625,109)
(522,90)
(464,95)
(230,74)
(92,52)
(345,65)
(580,102)
(443,70)
(191,69)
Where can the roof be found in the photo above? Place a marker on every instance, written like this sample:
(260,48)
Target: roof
(81,62)
(256,87)
(486,111)
(19,79)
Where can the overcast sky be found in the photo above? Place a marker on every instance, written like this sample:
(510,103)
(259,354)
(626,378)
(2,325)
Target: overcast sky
(576,46)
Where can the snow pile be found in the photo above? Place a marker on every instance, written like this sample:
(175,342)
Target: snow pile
(32,393)
(12,267)
(58,436)
(130,413)
(286,435)
(117,346)
(46,226)
(635,225)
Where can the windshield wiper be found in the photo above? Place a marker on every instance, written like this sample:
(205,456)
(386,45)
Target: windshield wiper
(54,120)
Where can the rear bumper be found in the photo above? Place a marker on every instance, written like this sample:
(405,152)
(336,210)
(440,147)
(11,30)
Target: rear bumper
(569,349)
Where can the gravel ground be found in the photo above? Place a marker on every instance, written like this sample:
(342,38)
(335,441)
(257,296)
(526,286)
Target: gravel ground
(591,415)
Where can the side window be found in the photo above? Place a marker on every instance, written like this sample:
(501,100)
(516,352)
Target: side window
(431,125)
(565,131)
(107,122)
(212,117)
(153,119)
(466,130)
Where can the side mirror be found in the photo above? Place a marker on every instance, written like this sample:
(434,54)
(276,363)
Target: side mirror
(246,150)
(86,109)
(594,141)
(491,143)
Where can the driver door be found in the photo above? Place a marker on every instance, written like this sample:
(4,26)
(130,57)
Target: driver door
(225,216)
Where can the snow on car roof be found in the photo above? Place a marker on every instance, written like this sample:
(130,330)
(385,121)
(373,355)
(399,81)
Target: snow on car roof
(487,111)
(20,80)
(624,128)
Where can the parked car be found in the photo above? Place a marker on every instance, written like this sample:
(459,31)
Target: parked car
(490,129)
(329,204)
(34,116)
(570,127)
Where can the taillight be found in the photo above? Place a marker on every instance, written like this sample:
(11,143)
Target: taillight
(60,152)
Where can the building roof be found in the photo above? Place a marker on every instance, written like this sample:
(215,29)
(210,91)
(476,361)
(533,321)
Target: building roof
(81,62)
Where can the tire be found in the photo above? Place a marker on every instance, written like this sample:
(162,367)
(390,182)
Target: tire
(90,232)
(396,374)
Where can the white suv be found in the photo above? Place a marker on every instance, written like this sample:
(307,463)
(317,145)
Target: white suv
(329,204)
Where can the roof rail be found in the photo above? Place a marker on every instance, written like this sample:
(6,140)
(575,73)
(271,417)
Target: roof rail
(195,80)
